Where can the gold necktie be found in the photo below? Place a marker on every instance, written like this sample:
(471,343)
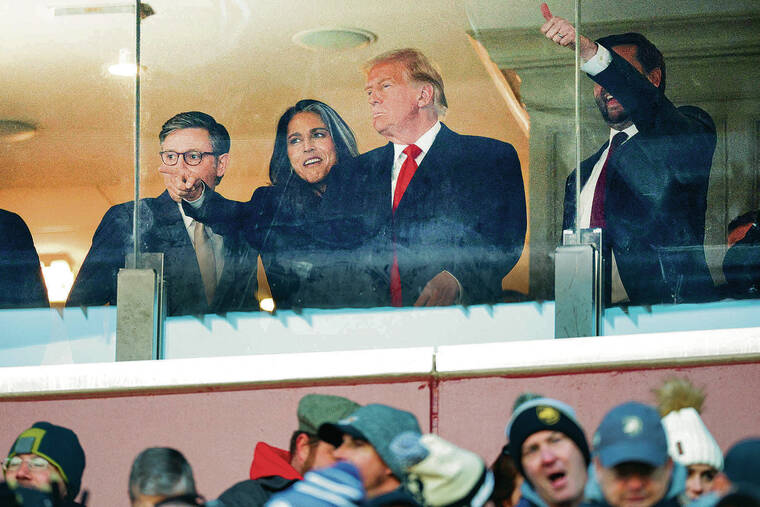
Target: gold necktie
(206,261)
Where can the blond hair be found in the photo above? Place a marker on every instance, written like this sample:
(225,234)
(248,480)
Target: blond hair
(417,68)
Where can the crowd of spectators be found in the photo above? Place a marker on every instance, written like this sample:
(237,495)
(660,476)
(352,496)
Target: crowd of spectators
(344,454)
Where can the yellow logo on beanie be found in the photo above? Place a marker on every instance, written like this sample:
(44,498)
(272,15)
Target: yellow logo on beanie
(547,415)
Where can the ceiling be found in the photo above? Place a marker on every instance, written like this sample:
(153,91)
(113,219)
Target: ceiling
(235,60)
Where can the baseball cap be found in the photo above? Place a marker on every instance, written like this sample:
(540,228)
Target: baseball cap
(378,425)
(631,432)
(743,462)
(316,409)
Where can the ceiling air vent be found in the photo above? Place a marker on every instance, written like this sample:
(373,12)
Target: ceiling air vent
(123,8)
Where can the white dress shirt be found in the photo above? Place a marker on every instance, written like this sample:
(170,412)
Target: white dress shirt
(423,143)
(594,66)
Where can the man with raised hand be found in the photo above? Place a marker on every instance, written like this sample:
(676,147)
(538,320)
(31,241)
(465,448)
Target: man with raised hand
(647,186)
(204,271)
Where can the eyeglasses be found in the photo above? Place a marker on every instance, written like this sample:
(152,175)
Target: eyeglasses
(191,157)
(36,464)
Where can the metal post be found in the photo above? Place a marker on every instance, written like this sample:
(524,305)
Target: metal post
(140,294)
(141,309)
(578,284)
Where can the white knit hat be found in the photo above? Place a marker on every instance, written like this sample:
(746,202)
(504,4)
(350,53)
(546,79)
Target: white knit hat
(689,441)
(449,475)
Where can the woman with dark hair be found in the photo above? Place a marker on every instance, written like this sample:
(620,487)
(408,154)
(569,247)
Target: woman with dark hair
(311,138)
(321,117)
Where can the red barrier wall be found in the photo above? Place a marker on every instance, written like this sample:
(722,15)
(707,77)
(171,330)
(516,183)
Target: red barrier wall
(217,430)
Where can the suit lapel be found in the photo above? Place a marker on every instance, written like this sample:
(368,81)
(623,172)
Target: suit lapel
(376,187)
(429,171)
(168,227)
(588,165)
(181,272)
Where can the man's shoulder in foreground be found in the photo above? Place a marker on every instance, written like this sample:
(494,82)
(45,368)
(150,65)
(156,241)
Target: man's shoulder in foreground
(252,491)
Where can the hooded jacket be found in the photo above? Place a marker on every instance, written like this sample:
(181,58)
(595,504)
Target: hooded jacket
(270,473)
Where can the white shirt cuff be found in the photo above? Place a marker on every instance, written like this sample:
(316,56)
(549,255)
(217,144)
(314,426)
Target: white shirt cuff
(600,61)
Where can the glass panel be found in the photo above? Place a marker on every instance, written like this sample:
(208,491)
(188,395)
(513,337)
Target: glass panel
(690,165)
(535,78)
(66,126)
(313,250)
(329,242)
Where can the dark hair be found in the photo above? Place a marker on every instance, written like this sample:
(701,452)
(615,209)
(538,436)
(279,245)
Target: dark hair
(218,135)
(340,132)
(161,471)
(647,53)
(313,440)
(505,476)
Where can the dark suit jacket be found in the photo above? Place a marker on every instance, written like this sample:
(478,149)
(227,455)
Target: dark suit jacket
(277,223)
(463,211)
(162,230)
(21,282)
(656,192)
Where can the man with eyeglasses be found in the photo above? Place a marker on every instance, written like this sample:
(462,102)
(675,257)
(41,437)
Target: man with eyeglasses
(204,272)
(48,458)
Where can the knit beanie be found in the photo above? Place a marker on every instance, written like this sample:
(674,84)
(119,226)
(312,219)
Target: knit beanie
(60,446)
(689,441)
(544,414)
(442,474)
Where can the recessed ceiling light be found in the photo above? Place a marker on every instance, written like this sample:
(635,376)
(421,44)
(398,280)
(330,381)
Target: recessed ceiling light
(12,131)
(126,67)
(334,38)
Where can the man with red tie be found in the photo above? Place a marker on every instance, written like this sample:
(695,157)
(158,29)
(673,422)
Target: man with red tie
(441,216)
(646,187)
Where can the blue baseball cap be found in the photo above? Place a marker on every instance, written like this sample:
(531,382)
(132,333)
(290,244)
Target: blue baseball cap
(631,432)
(378,425)
(743,461)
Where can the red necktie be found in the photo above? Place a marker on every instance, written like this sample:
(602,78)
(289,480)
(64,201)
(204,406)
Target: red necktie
(597,206)
(408,169)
